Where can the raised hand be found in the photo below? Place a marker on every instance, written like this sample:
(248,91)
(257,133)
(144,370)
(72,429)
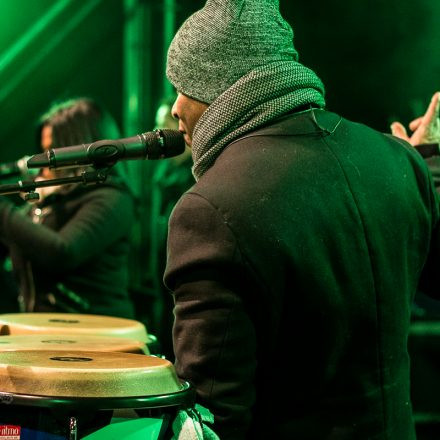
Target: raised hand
(425,129)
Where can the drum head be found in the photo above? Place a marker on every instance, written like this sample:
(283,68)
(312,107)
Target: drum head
(71,342)
(71,323)
(86,374)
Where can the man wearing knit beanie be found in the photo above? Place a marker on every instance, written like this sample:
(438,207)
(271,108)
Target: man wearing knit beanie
(294,258)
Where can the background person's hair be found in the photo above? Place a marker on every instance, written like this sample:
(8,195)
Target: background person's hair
(78,121)
(163,117)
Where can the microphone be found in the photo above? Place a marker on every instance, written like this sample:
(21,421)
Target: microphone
(157,144)
(16,168)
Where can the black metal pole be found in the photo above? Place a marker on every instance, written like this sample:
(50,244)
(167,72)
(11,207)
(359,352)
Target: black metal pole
(30,185)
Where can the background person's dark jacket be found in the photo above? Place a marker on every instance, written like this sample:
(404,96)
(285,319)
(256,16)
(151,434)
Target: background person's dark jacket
(76,258)
(294,261)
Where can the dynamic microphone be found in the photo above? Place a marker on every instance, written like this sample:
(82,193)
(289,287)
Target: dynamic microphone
(157,144)
(16,168)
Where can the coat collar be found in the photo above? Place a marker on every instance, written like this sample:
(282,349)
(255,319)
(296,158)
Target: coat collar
(305,123)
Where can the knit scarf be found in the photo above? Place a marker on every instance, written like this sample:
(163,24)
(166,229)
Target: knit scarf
(262,95)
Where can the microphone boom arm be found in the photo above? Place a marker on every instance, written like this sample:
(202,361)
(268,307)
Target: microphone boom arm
(29,186)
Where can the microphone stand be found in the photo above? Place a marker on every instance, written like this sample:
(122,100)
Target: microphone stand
(29,186)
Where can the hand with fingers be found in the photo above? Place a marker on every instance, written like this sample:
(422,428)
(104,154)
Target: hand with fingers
(425,129)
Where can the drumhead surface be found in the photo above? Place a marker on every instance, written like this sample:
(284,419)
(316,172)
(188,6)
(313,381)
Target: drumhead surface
(71,323)
(86,374)
(71,342)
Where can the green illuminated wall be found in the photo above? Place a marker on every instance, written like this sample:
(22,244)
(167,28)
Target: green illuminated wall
(378,59)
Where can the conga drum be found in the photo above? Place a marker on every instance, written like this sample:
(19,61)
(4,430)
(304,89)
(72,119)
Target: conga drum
(89,395)
(71,342)
(71,324)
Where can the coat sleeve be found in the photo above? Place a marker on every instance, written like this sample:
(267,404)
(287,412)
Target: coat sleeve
(103,218)
(213,336)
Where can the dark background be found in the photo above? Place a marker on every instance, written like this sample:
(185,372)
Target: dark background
(379,60)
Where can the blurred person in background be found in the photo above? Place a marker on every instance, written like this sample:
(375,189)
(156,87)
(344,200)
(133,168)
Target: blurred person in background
(9,290)
(424,135)
(424,131)
(69,249)
(171,178)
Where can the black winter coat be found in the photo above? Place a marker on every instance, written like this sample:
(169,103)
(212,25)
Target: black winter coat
(294,261)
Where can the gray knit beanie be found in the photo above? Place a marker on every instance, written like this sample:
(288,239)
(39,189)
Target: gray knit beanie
(224,41)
